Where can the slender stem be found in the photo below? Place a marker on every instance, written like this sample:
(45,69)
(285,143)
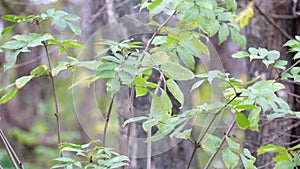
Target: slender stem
(57,114)
(198,143)
(10,151)
(271,21)
(196,146)
(214,117)
(295,64)
(150,130)
(107,119)
(158,30)
(131,98)
(220,145)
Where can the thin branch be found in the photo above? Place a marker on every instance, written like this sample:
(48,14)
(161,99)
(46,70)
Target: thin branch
(107,119)
(214,117)
(10,151)
(271,21)
(285,71)
(150,130)
(158,30)
(140,22)
(127,146)
(57,114)
(197,144)
(221,144)
(282,133)
(293,94)
(276,16)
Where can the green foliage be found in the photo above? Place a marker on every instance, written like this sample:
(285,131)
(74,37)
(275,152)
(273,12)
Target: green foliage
(157,72)
(294,45)
(285,158)
(91,156)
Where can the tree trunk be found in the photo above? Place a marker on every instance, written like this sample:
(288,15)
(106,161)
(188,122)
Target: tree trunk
(262,33)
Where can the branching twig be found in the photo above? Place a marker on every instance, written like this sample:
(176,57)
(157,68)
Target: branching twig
(158,30)
(220,145)
(271,21)
(215,115)
(107,119)
(198,143)
(288,69)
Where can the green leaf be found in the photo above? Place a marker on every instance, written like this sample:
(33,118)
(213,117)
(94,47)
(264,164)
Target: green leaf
(118,165)
(125,78)
(159,40)
(291,42)
(75,28)
(62,65)
(134,119)
(197,84)
(226,16)
(176,71)
(8,96)
(154,4)
(214,28)
(237,38)
(210,143)
(264,52)
(297,159)
(140,91)
(130,69)
(112,59)
(40,70)
(186,134)
(232,144)
(284,165)
(280,64)
(158,58)
(296,56)
(273,55)
(175,90)
(64,159)
(223,33)
(186,56)
(150,123)
(200,46)
(269,148)
(106,74)
(295,70)
(12,59)
(253,119)
(22,81)
(71,17)
(161,133)
(113,85)
(230,159)
(107,66)
(37,39)
(14,44)
(241,54)
(7,29)
(242,121)
(231,5)
(247,159)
